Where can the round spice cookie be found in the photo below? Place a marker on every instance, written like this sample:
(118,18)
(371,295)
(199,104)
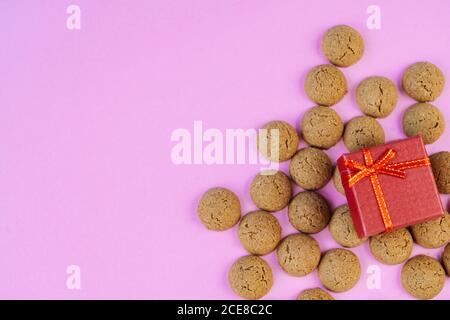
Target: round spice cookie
(337,181)
(342,229)
(314,294)
(298,254)
(446,259)
(440,162)
(219,209)
(287,141)
(342,45)
(434,233)
(377,96)
(393,247)
(311,168)
(271,190)
(423,81)
(363,132)
(259,232)
(325,85)
(424,119)
(250,277)
(309,212)
(339,270)
(423,277)
(322,127)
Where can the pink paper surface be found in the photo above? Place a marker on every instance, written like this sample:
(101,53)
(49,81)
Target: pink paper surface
(86,118)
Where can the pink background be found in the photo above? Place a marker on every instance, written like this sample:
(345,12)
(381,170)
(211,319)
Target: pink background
(86,117)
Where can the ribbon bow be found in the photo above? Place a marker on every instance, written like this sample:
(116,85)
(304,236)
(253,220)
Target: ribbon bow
(383,165)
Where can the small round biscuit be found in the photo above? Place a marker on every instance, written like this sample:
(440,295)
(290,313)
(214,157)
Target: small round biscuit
(343,45)
(250,277)
(271,190)
(342,229)
(446,259)
(314,294)
(363,132)
(423,277)
(393,247)
(311,168)
(337,181)
(424,119)
(423,81)
(219,209)
(376,96)
(432,234)
(339,270)
(322,127)
(309,212)
(259,232)
(287,141)
(298,254)
(440,162)
(325,85)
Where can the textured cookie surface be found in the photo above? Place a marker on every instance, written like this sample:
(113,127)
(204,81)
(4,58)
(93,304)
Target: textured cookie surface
(446,259)
(339,270)
(325,85)
(287,141)
(309,212)
(424,119)
(393,247)
(423,277)
(322,127)
(271,191)
(342,229)
(434,233)
(377,96)
(298,254)
(423,81)
(219,209)
(314,294)
(337,181)
(343,45)
(440,162)
(363,132)
(250,277)
(259,232)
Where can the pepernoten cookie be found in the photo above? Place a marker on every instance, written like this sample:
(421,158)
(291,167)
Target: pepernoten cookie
(342,229)
(423,277)
(339,270)
(363,132)
(271,190)
(377,96)
(322,127)
(259,232)
(219,209)
(298,254)
(342,45)
(325,85)
(423,81)
(337,181)
(393,247)
(440,162)
(434,233)
(424,119)
(311,168)
(309,212)
(250,277)
(287,141)
(446,259)
(314,294)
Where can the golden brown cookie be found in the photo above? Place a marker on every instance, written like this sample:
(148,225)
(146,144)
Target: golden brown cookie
(322,127)
(311,168)
(343,45)
(363,132)
(424,119)
(446,259)
(393,247)
(259,232)
(250,277)
(271,190)
(287,141)
(376,96)
(314,294)
(309,212)
(325,85)
(337,181)
(423,277)
(298,254)
(434,233)
(219,209)
(339,270)
(440,162)
(423,81)
(342,229)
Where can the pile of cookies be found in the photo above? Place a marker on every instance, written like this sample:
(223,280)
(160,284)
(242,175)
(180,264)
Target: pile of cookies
(311,169)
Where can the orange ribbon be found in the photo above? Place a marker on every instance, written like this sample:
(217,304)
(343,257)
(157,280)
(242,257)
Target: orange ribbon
(381,166)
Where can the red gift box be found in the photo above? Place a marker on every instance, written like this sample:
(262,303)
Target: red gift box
(390,186)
